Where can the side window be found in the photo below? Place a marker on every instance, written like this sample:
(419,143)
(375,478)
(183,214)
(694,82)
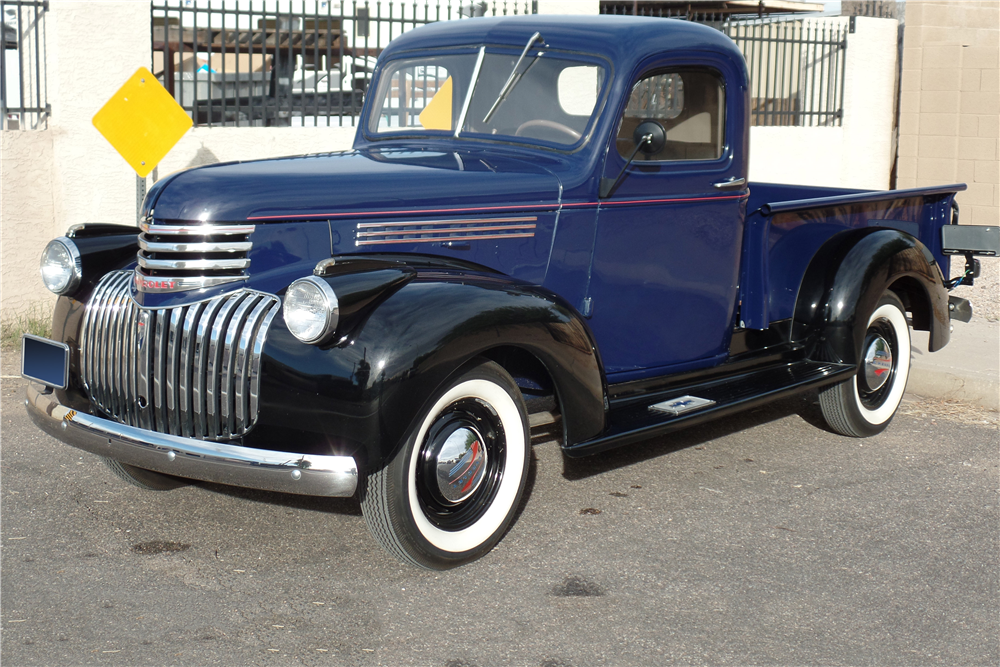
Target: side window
(691,106)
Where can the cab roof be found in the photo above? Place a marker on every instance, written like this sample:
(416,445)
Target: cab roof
(624,40)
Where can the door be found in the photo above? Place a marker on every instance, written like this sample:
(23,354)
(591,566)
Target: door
(665,271)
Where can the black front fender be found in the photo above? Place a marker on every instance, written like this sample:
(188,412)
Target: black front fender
(845,280)
(362,395)
(439,322)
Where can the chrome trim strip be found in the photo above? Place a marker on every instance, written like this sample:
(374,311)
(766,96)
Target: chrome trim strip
(117,333)
(196,230)
(187,353)
(173,352)
(258,345)
(242,364)
(466,231)
(192,264)
(200,365)
(159,379)
(213,376)
(155,284)
(226,388)
(446,238)
(466,221)
(151,246)
(221,463)
(145,335)
(133,353)
(472,89)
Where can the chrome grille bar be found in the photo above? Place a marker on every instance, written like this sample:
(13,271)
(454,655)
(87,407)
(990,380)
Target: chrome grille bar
(175,258)
(190,371)
(193,264)
(242,246)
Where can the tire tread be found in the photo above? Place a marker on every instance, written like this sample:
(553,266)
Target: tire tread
(146,480)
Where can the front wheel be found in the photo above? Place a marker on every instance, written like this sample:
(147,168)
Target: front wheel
(865,405)
(449,494)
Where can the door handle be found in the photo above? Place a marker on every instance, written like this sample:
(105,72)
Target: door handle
(730,183)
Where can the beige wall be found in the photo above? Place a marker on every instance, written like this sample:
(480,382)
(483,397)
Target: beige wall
(856,154)
(26,204)
(569,6)
(950,104)
(222,144)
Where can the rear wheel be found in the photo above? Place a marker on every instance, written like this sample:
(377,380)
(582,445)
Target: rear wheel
(865,405)
(450,493)
(144,479)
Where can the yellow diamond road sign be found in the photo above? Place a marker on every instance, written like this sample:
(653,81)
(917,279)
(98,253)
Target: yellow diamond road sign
(142,121)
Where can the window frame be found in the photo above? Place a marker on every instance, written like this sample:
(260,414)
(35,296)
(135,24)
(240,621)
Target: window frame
(714,70)
(600,107)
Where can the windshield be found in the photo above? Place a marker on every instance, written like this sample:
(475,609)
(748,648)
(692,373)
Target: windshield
(552,101)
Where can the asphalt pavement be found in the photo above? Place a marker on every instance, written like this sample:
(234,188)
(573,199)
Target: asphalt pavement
(760,539)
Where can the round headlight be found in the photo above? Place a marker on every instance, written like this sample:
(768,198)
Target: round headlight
(311,310)
(60,266)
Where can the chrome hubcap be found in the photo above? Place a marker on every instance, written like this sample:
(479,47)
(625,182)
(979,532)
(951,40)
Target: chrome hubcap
(878,363)
(460,464)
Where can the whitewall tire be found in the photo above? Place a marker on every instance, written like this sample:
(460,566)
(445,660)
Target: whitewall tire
(865,405)
(450,493)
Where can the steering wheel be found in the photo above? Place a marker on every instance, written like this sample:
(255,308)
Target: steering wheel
(547,125)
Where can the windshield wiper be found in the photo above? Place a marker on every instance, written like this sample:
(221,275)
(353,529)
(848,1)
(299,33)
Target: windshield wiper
(513,78)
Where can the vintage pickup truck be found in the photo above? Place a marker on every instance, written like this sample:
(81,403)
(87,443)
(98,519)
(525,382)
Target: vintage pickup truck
(544,220)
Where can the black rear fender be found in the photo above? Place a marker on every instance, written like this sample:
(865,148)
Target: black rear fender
(845,280)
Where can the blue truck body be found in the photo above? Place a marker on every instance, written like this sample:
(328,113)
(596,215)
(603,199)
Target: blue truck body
(610,295)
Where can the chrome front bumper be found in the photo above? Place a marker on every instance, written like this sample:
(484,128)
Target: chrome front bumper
(304,474)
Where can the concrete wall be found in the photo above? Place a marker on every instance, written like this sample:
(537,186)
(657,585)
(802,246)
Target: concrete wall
(26,209)
(591,7)
(858,154)
(222,144)
(950,102)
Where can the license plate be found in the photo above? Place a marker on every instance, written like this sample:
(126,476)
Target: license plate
(45,361)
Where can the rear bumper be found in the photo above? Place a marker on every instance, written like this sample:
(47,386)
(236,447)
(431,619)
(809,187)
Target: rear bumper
(304,474)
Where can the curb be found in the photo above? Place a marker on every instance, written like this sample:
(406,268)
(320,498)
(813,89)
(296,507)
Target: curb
(930,383)
(967,369)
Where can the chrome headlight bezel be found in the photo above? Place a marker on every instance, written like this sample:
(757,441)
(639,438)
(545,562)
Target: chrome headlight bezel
(321,328)
(70,264)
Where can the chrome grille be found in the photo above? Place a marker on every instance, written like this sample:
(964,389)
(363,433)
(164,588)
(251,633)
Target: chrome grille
(173,258)
(191,370)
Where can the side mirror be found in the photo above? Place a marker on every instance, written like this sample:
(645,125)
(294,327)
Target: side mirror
(650,138)
(657,137)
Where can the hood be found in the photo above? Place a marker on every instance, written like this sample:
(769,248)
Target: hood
(335,185)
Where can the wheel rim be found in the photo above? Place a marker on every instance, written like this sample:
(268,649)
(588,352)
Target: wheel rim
(461,464)
(477,520)
(880,364)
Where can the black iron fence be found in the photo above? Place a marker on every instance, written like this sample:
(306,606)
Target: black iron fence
(23,99)
(796,70)
(300,62)
(796,65)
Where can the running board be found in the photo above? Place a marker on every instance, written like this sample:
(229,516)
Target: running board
(640,420)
